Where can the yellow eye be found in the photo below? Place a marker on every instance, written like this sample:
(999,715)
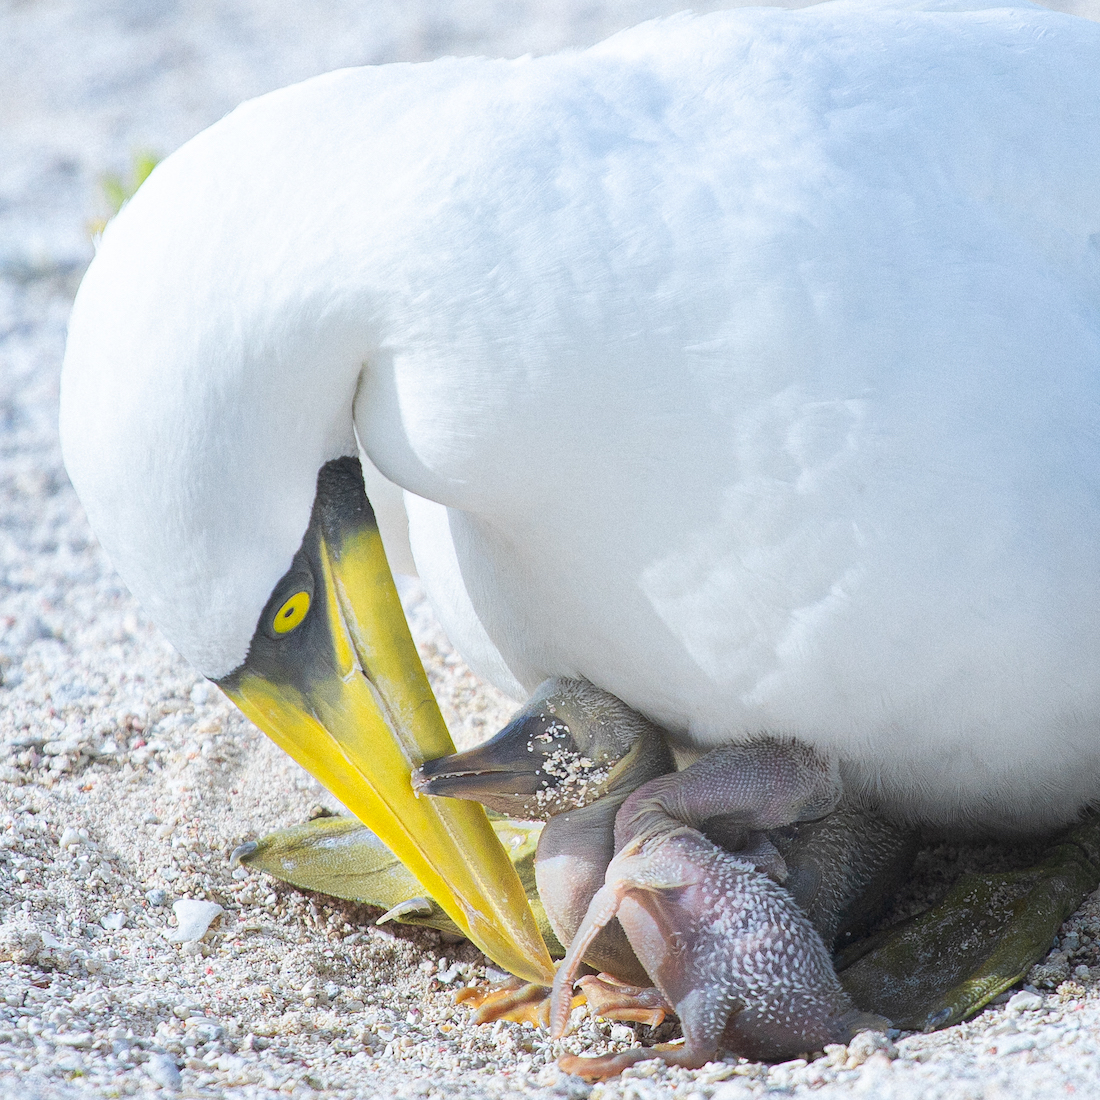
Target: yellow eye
(291,613)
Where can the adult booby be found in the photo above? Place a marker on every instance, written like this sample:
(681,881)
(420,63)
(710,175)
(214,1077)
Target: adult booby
(745,366)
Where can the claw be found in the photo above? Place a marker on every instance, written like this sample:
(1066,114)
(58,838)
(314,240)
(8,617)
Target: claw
(412,907)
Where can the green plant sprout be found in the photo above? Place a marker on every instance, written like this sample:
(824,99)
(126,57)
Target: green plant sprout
(117,190)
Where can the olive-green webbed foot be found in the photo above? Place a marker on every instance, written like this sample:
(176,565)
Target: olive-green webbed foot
(944,965)
(341,857)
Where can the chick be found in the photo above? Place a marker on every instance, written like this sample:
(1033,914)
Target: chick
(631,882)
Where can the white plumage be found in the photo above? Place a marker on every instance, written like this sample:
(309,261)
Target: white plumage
(746,365)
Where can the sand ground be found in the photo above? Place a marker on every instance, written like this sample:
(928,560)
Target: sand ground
(125,781)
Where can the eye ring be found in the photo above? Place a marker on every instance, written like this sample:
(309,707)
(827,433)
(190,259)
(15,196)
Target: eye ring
(289,617)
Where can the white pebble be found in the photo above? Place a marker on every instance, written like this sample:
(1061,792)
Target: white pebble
(1016,1044)
(113,922)
(70,838)
(164,1071)
(193,919)
(205,1030)
(19,943)
(201,693)
(1024,1001)
(80,1040)
(867,1043)
(733,1090)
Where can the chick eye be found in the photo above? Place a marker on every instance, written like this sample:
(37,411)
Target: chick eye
(291,613)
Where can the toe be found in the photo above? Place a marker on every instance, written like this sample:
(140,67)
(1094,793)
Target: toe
(613,1000)
(516,1001)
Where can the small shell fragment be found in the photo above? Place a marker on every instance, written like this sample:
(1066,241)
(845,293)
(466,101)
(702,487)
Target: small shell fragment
(194,919)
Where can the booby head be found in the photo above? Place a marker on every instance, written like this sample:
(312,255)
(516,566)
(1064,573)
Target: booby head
(208,425)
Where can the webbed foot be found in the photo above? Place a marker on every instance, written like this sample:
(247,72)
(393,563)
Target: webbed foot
(515,1000)
(629,1004)
(341,857)
(947,963)
(603,1066)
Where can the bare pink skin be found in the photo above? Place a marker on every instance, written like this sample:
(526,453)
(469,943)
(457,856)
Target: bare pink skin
(756,785)
(725,945)
(676,879)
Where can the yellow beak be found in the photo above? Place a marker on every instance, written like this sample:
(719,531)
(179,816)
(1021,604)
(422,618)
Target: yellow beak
(357,712)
